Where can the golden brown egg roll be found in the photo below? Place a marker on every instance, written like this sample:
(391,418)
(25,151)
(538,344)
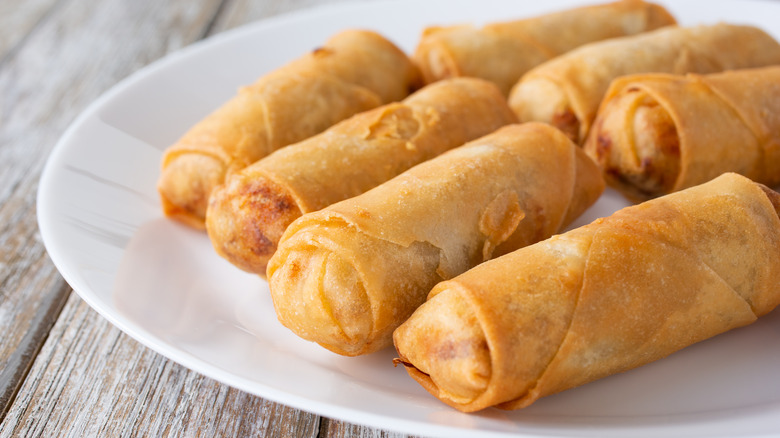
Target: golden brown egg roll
(354,71)
(348,275)
(502,52)
(601,299)
(658,133)
(566,91)
(249,213)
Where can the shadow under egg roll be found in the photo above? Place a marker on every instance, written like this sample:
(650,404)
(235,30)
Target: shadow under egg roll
(502,52)
(566,91)
(348,275)
(354,71)
(249,213)
(656,134)
(599,300)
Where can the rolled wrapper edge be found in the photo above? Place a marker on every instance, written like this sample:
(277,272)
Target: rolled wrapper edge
(361,314)
(464,403)
(595,137)
(309,298)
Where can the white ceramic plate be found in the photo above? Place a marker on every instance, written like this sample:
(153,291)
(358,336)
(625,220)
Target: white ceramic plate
(162,283)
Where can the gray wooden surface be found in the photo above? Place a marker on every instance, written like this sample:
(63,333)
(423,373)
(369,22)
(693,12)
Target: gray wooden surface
(64,370)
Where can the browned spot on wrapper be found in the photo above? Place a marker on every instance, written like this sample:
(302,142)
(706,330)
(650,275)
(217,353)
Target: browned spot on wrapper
(647,165)
(262,245)
(269,212)
(603,145)
(670,141)
(568,123)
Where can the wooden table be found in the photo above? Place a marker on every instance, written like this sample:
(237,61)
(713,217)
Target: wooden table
(64,370)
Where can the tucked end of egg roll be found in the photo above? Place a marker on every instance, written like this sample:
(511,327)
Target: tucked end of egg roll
(247,214)
(353,71)
(658,133)
(455,367)
(247,217)
(186,184)
(635,141)
(323,286)
(602,299)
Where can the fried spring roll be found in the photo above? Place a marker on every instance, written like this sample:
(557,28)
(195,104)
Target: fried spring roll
(601,299)
(249,213)
(354,71)
(566,91)
(658,133)
(503,52)
(348,275)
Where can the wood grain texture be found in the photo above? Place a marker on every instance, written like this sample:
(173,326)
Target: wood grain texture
(341,429)
(90,379)
(64,370)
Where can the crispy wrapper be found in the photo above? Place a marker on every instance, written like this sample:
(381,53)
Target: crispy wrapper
(601,299)
(503,52)
(354,71)
(249,213)
(566,91)
(348,275)
(657,133)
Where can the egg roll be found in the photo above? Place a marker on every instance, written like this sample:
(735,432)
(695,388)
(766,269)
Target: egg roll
(658,133)
(601,299)
(566,91)
(347,275)
(502,52)
(354,71)
(249,213)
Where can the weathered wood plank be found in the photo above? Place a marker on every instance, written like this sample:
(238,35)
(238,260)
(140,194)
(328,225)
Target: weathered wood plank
(90,379)
(43,277)
(63,63)
(340,429)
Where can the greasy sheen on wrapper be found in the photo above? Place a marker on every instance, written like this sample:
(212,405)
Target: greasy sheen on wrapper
(566,91)
(601,299)
(249,213)
(658,133)
(348,275)
(502,52)
(353,71)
